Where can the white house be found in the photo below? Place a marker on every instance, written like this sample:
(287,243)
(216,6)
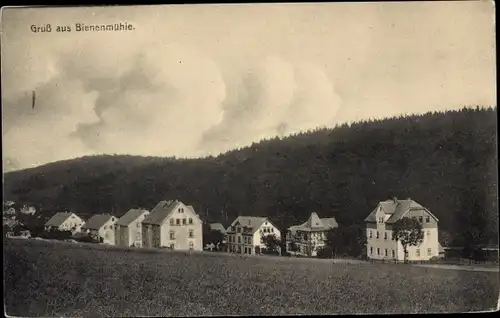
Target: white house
(309,237)
(128,228)
(29,210)
(101,226)
(245,234)
(379,231)
(174,225)
(64,221)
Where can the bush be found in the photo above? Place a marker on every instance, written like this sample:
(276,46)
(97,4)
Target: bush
(57,235)
(325,252)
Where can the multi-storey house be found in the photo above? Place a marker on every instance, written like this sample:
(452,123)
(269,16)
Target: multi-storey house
(309,237)
(174,225)
(101,226)
(379,222)
(245,234)
(128,228)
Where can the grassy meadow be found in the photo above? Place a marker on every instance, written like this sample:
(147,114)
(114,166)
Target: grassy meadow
(48,278)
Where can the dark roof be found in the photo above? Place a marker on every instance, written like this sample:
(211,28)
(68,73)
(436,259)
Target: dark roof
(97,221)
(131,216)
(315,223)
(161,212)
(395,210)
(58,219)
(251,223)
(217,227)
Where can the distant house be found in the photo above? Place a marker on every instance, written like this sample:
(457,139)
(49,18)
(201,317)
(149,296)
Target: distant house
(128,228)
(309,237)
(8,203)
(25,233)
(64,221)
(9,211)
(29,210)
(217,227)
(101,226)
(174,225)
(245,234)
(379,231)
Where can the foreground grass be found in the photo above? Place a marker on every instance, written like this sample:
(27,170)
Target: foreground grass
(49,279)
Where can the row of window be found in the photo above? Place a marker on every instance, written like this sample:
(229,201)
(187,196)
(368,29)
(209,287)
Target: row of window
(417,252)
(190,234)
(387,235)
(178,221)
(420,219)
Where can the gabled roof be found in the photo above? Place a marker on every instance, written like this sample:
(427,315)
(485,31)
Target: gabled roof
(58,219)
(130,216)
(97,221)
(315,223)
(160,212)
(396,209)
(251,223)
(217,227)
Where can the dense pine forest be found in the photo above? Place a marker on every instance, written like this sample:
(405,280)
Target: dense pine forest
(445,161)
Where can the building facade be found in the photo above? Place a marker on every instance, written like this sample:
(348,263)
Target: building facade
(244,235)
(380,221)
(64,221)
(101,226)
(309,237)
(128,228)
(172,224)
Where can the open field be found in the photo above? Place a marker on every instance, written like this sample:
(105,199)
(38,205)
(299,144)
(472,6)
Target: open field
(46,279)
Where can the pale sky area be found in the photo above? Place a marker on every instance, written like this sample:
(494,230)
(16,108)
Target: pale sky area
(194,80)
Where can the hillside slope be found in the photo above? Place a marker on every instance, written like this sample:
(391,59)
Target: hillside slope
(445,161)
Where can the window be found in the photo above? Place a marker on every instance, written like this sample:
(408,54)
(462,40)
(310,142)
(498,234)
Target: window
(386,253)
(239,239)
(393,254)
(371,250)
(420,219)
(138,224)
(381,220)
(190,221)
(105,227)
(378,251)
(191,234)
(172,235)
(378,235)
(429,252)
(172,221)
(427,219)
(428,233)
(272,229)
(183,221)
(172,246)
(418,252)
(191,245)
(385,236)
(178,221)
(370,234)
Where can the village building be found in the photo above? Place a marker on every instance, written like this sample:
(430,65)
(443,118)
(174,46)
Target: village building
(29,210)
(101,226)
(128,228)
(172,224)
(379,222)
(244,235)
(64,221)
(309,237)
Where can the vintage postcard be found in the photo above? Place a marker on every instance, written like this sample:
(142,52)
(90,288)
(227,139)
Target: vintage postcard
(250,159)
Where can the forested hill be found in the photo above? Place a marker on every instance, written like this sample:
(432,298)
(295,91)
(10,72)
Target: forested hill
(445,161)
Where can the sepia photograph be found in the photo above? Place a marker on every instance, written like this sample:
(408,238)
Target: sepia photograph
(250,159)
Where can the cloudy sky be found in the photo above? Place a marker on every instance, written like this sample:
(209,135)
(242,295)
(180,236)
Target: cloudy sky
(193,80)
